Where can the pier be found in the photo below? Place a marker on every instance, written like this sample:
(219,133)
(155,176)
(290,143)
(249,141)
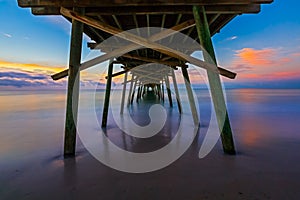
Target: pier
(101,19)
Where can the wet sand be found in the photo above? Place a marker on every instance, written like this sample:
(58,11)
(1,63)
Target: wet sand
(266,131)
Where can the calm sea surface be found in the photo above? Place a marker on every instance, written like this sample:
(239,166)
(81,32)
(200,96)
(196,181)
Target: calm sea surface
(33,121)
(265,123)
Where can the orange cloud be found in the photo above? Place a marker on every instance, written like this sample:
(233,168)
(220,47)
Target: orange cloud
(258,59)
(29,67)
(265,64)
(263,57)
(43,69)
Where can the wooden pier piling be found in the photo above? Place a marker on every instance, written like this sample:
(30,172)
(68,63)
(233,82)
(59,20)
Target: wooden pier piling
(190,95)
(107,93)
(214,80)
(168,88)
(73,86)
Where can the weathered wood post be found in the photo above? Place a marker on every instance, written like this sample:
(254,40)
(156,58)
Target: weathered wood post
(176,91)
(169,90)
(139,96)
(73,86)
(190,95)
(123,93)
(133,91)
(214,80)
(130,90)
(162,91)
(107,93)
(158,91)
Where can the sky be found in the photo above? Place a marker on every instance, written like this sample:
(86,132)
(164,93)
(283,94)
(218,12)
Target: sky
(264,48)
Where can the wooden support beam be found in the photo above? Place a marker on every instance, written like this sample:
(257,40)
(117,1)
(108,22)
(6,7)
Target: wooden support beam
(128,48)
(219,24)
(168,88)
(158,91)
(176,91)
(176,23)
(162,91)
(149,43)
(151,73)
(108,47)
(214,81)
(133,91)
(130,90)
(151,60)
(138,93)
(148,10)
(136,39)
(190,95)
(123,93)
(163,20)
(107,94)
(118,73)
(73,86)
(96,33)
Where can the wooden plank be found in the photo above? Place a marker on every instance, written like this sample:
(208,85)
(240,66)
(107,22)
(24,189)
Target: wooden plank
(219,24)
(214,81)
(97,3)
(139,41)
(73,87)
(144,10)
(151,60)
(108,47)
(152,10)
(107,94)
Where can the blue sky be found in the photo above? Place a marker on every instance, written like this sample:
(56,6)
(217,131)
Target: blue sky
(263,48)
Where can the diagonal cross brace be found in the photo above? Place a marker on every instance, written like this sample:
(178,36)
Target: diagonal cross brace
(140,42)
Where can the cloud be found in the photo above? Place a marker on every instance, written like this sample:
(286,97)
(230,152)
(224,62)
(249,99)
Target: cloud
(21,75)
(232,38)
(253,59)
(30,67)
(7,35)
(21,79)
(267,64)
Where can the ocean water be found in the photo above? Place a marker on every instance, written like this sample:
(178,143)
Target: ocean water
(33,121)
(265,122)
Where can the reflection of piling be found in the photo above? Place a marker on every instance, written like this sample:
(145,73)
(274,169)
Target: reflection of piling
(103,19)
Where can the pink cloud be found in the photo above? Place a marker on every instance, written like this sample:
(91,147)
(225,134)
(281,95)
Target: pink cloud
(266,64)
(267,57)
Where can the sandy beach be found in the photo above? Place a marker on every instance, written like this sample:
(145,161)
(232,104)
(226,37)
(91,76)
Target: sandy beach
(266,131)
